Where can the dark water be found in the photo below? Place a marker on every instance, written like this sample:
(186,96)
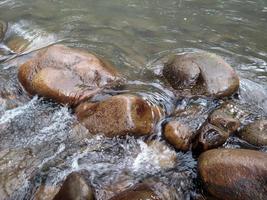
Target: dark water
(40,142)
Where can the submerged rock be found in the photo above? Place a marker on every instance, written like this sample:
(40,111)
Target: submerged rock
(202,73)
(118,116)
(179,135)
(255,133)
(224,120)
(17,44)
(75,187)
(211,137)
(65,75)
(138,192)
(3,29)
(234,174)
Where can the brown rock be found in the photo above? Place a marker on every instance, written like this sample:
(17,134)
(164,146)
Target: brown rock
(118,116)
(216,77)
(17,44)
(179,135)
(181,72)
(224,121)
(255,133)
(45,192)
(65,75)
(138,192)
(234,174)
(211,137)
(75,187)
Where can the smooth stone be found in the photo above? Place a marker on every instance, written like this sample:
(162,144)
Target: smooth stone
(255,133)
(211,137)
(17,44)
(202,73)
(181,72)
(234,174)
(66,75)
(75,187)
(179,135)
(137,192)
(3,29)
(224,120)
(45,192)
(118,116)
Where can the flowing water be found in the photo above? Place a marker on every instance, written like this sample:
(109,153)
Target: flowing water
(41,142)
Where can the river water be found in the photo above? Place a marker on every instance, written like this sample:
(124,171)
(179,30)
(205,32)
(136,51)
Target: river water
(40,141)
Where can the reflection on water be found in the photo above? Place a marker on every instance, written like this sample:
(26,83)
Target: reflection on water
(137,36)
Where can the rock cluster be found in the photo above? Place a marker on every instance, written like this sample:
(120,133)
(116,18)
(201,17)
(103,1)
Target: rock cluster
(73,77)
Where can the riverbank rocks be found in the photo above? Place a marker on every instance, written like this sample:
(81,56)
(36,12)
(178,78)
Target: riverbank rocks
(202,73)
(255,133)
(179,135)
(75,187)
(137,192)
(3,29)
(118,116)
(234,174)
(65,75)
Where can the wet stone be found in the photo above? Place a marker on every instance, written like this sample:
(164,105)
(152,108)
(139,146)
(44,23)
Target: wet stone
(17,44)
(211,137)
(203,73)
(75,187)
(66,75)
(118,116)
(138,192)
(234,173)
(255,133)
(224,120)
(179,135)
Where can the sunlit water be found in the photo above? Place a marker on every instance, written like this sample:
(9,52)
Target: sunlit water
(41,143)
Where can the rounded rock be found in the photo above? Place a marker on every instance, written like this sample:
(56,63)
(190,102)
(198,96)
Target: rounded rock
(138,192)
(234,174)
(118,116)
(179,135)
(203,73)
(65,75)
(255,133)
(75,187)
(211,137)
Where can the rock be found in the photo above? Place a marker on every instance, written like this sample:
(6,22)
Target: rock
(179,135)
(224,120)
(75,187)
(65,75)
(3,29)
(138,192)
(118,116)
(181,72)
(234,174)
(45,192)
(17,44)
(211,137)
(203,73)
(255,133)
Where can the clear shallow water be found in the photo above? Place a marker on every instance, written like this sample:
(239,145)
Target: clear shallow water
(137,36)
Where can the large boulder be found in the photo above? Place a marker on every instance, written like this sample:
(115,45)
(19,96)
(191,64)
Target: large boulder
(3,29)
(75,187)
(255,133)
(137,192)
(65,75)
(202,73)
(234,174)
(118,116)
